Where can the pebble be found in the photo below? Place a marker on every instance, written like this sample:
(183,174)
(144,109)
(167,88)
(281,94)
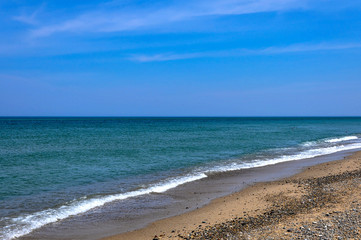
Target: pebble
(341,225)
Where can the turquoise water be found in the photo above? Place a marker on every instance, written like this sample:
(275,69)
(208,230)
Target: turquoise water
(52,168)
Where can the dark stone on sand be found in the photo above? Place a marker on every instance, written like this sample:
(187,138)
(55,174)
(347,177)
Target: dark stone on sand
(318,194)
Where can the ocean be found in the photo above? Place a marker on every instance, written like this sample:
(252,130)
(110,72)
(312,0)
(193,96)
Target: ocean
(56,169)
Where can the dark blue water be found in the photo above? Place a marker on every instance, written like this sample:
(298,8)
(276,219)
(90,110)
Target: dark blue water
(51,168)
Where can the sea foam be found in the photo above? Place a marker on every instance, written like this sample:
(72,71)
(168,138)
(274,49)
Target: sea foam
(305,154)
(25,224)
(335,140)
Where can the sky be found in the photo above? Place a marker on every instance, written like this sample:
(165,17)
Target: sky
(180,58)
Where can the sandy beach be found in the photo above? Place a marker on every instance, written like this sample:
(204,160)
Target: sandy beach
(201,119)
(321,202)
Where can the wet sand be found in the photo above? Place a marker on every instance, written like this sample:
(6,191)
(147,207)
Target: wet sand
(324,196)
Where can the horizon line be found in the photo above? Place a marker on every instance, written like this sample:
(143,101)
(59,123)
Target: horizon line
(184,116)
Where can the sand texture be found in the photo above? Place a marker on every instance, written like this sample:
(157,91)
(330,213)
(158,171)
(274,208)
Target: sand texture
(322,202)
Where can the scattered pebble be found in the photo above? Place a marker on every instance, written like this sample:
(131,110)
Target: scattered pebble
(320,193)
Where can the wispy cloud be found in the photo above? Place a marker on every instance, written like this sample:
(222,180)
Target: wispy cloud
(307,48)
(31,18)
(165,57)
(117,18)
(244,52)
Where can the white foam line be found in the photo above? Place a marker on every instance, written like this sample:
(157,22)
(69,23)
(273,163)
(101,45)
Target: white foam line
(335,140)
(329,140)
(25,224)
(302,155)
(309,144)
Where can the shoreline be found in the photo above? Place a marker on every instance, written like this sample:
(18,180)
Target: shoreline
(248,201)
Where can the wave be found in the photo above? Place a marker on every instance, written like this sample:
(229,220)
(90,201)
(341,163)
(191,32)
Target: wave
(309,144)
(329,140)
(335,140)
(311,153)
(25,224)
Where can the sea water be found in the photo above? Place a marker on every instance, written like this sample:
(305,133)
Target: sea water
(54,168)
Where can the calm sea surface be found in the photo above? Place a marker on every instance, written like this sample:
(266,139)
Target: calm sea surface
(53,168)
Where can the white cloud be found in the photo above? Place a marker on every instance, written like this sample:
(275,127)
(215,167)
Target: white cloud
(165,57)
(114,18)
(243,52)
(30,19)
(308,48)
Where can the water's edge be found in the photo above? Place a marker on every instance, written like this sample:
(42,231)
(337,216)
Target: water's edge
(87,178)
(176,201)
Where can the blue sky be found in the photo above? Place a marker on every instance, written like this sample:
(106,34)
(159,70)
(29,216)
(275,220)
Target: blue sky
(180,58)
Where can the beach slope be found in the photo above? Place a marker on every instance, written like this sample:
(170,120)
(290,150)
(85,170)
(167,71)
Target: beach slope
(323,201)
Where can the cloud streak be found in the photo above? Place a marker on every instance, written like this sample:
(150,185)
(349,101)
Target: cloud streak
(114,18)
(30,19)
(161,57)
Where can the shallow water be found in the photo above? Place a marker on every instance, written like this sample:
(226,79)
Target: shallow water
(54,168)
